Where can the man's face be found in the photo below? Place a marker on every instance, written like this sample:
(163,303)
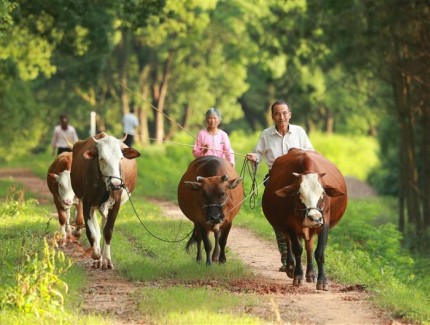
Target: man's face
(281,115)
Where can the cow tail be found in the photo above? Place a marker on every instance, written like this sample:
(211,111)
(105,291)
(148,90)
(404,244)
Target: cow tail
(192,241)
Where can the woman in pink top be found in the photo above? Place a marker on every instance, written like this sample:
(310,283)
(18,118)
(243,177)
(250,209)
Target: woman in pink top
(213,141)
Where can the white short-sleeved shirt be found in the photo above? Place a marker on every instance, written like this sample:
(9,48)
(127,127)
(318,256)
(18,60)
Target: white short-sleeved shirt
(130,122)
(64,138)
(272,144)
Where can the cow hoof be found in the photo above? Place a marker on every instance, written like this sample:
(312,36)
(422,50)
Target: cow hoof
(298,281)
(77,232)
(310,278)
(290,271)
(322,286)
(97,264)
(95,255)
(107,265)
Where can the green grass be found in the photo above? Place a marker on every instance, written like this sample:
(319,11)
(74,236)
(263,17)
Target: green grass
(24,226)
(189,305)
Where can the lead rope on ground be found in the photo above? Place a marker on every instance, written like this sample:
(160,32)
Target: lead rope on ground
(149,232)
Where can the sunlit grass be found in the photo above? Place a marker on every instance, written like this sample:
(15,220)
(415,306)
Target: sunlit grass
(188,305)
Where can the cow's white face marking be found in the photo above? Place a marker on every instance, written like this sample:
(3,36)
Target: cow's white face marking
(65,191)
(311,191)
(110,157)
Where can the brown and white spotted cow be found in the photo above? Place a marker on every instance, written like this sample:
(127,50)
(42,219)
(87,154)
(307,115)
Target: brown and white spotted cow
(306,195)
(59,184)
(103,174)
(210,194)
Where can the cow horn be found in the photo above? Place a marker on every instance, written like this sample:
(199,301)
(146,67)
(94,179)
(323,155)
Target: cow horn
(123,138)
(200,179)
(296,174)
(224,178)
(95,140)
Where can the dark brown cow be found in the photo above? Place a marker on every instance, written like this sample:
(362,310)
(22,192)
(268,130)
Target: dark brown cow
(58,180)
(100,176)
(210,194)
(306,195)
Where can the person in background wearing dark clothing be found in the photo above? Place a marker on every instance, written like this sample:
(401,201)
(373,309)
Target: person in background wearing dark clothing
(129,123)
(64,136)
(274,142)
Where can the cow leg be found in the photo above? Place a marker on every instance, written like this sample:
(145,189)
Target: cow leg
(79,218)
(62,219)
(215,254)
(199,250)
(93,233)
(322,283)
(290,260)
(223,242)
(298,250)
(310,272)
(207,244)
(108,226)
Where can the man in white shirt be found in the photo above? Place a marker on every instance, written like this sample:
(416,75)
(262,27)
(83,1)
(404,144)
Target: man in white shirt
(64,136)
(130,122)
(274,142)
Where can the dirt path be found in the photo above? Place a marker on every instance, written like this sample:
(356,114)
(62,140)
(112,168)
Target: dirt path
(109,294)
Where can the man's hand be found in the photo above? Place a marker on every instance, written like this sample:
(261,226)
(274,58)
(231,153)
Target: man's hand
(252,157)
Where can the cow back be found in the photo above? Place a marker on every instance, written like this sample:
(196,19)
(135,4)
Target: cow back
(207,166)
(280,211)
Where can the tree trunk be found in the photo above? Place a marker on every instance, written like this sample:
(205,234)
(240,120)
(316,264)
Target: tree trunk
(329,122)
(159,96)
(247,112)
(425,158)
(407,150)
(144,106)
(123,63)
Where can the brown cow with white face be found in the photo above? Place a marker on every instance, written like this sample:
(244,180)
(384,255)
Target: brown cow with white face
(210,194)
(59,184)
(305,195)
(103,171)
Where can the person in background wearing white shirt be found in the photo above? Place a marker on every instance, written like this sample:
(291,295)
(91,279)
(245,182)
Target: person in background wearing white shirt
(64,136)
(274,142)
(129,122)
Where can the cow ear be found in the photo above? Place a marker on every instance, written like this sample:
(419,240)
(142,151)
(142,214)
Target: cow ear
(130,153)
(285,191)
(234,182)
(53,176)
(332,191)
(195,186)
(89,154)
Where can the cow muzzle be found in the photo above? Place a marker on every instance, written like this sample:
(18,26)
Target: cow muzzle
(214,214)
(114,183)
(313,217)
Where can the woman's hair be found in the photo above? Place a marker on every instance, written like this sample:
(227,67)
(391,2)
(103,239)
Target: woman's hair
(279,102)
(213,111)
